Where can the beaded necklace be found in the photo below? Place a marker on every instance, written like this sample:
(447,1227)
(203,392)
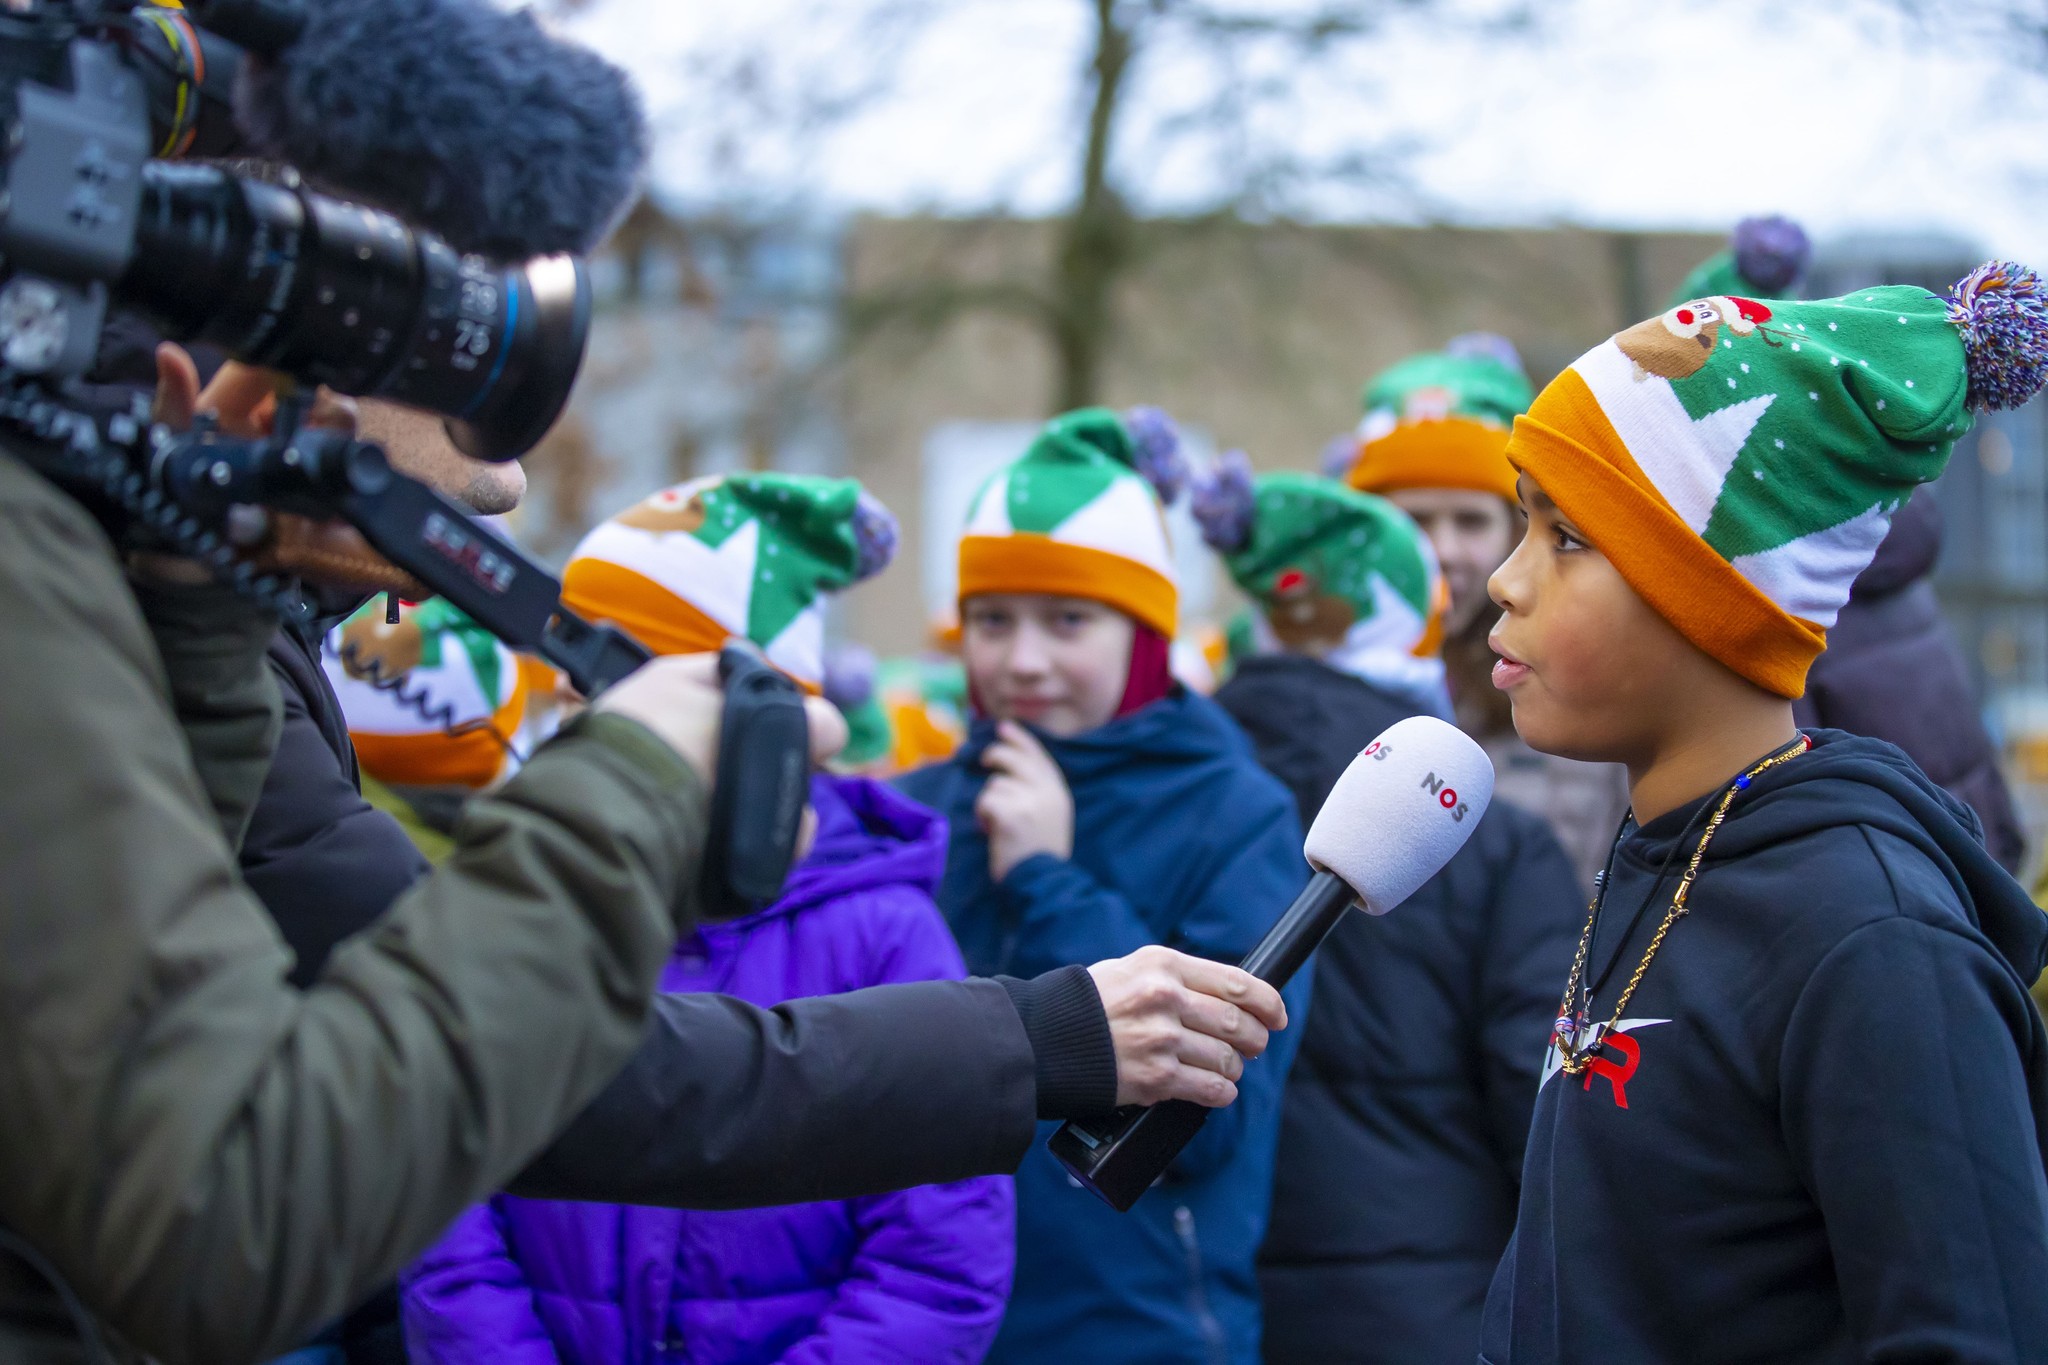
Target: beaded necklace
(1576,1041)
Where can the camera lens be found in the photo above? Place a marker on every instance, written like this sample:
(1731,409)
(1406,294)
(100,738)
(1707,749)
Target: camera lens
(347,296)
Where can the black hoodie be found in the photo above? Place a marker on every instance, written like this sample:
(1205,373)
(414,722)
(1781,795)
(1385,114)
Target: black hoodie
(1819,1135)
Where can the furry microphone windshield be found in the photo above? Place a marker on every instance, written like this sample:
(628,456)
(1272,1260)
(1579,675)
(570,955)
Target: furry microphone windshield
(461,118)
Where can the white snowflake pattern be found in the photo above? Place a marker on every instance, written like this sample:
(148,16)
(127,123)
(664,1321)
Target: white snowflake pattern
(1795,345)
(1759,475)
(1834,327)
(1780,444)
(1814,396)
(1902,322)
(1745,367)
(1731,383)
(1909,383)
(1880,405)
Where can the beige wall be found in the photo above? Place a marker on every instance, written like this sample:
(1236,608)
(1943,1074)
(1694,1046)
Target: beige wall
(1262,336)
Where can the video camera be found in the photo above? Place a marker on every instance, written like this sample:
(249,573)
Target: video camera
(92,95)
(329,292)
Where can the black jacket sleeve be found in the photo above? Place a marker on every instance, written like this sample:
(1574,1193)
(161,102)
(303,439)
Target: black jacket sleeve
(1906,1104)
(730,1106)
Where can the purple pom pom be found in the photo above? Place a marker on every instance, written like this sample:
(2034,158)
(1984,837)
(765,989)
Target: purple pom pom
(874,536)
(850,676)
(1339,455)
(1158,454)
(1485,346)
(1999,309)
(1771,253)
(1224,503)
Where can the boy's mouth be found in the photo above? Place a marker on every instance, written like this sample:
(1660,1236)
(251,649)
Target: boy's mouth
(1508,671)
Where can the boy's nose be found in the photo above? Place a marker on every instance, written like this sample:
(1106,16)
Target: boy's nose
(1503,583)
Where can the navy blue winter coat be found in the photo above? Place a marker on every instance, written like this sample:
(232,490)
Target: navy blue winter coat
(1817,1135)
(1179,838)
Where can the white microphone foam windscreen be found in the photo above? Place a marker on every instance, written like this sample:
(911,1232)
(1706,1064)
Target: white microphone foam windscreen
(1402,809)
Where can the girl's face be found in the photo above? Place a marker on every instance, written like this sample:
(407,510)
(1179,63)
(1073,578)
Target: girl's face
(1058,663)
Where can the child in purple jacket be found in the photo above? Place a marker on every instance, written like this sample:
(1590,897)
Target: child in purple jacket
(922,1275)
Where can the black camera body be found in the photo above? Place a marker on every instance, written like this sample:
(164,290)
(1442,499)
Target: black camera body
(326,291)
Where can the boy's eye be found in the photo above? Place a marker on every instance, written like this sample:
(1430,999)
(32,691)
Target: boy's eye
(1564,541)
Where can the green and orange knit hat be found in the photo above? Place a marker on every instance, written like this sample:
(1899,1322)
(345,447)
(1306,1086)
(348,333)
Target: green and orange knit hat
(1082,514)
(1441,420)
(432,700)
(747,556)
(1738,460)
(1338,574)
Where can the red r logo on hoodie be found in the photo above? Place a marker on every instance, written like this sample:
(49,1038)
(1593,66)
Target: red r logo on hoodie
(1617,1076)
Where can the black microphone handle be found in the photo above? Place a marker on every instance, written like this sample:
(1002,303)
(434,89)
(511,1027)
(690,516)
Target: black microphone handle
(1287,945)
(1119,1156)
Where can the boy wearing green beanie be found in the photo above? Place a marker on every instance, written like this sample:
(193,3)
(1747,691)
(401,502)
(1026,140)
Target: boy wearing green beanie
(1793,1105)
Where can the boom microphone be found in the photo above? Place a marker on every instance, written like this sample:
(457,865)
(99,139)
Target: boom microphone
(1401,811)
(457,116)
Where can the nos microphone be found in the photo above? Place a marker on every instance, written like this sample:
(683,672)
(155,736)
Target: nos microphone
(1402,809)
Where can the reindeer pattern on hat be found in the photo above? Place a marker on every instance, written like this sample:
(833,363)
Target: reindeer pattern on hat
(1678,343)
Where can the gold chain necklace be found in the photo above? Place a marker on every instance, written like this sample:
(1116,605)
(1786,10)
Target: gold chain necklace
(1576,1043)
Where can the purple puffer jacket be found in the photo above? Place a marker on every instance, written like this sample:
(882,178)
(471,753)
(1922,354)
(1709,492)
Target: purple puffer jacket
(922,1275)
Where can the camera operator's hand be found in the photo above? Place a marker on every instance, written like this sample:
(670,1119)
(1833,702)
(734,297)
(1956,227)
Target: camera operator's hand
(1183,1025)
(242,400)
(679,698)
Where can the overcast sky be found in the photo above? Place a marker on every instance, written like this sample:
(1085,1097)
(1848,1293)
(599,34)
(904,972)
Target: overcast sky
(1678,113)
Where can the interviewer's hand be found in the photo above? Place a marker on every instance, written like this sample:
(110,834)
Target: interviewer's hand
(678,697)
(1183,1025)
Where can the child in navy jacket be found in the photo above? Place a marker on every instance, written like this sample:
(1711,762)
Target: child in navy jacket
(1098,808)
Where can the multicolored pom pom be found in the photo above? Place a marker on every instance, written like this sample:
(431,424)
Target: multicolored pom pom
(1771,253)
(1159,457)
(2000,310)
(875,536)
(1224,504)
(850,676)
(1486,346)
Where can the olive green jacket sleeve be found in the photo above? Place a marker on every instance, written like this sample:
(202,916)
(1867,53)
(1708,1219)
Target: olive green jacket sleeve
(218,1162)
(211,641)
